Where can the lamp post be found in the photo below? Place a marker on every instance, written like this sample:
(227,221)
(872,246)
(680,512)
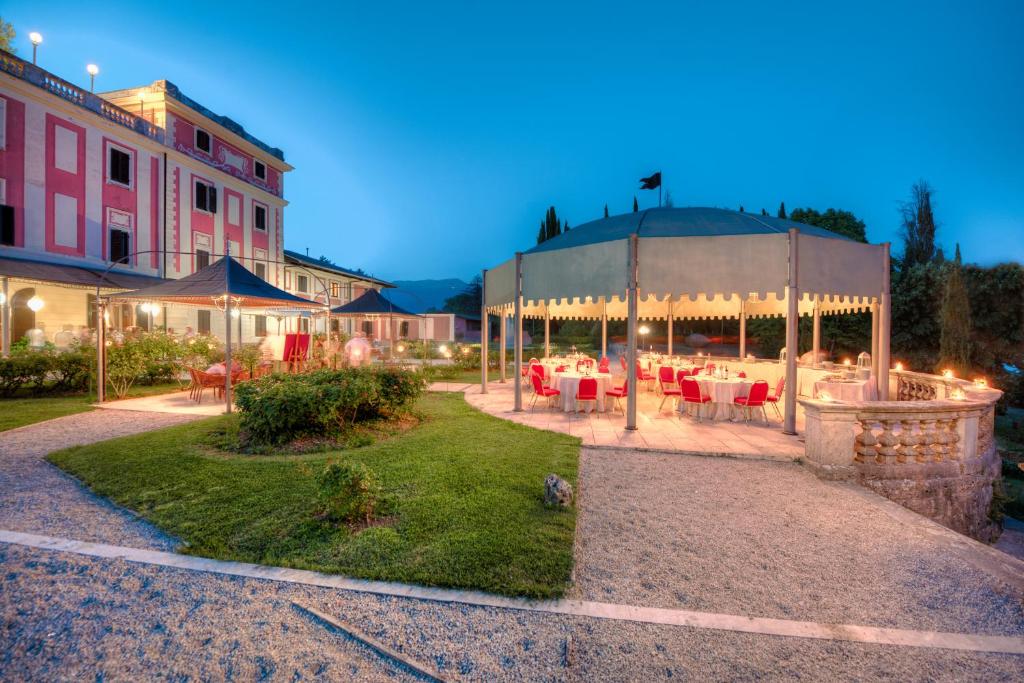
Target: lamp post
(644,331)
(37,40)
(92,70)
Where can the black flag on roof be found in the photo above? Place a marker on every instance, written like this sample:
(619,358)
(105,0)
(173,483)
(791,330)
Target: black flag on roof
(653,182)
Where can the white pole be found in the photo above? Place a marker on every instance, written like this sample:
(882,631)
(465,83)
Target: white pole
(517,358)
(792,321)
(604,330)
(884,331)
(816,333)
(743,331)
(631,357)
(503,343)
(547,332)
(227,327)
(483,333)
(101,350)
(874,341)
(670,319)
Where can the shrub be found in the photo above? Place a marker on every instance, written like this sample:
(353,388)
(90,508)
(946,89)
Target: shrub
(24,369)
(347,492)
(72,371)
(125,363)
(249,356)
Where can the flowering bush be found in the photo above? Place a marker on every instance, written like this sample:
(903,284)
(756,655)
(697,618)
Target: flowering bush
(46,371)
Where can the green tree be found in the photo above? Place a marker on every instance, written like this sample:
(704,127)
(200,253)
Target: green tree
(668,204)
(7,35)
(918,225)
(565,226)
(469,301)
(636,206)
(549,227)
(955,337)
(838,221)
(741,208)
(606,211)
(782,210)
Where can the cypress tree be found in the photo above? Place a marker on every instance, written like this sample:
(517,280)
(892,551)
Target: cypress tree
(741,208)
(918,225)
(955,332)
(636,206)
(565,227)
(542,235)
(763,212)
(606,211)
(782,210)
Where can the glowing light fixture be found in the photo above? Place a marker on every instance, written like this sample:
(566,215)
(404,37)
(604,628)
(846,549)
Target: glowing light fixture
(93,71)
(35,304)
(958,395)
(400,348)
(899,367)
(846,361)
(980,382)
(947,373)
(235,313)
(644,329)
(443,348)
(37,40)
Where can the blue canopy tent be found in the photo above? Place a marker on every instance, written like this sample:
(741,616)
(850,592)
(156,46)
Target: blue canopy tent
(373,304)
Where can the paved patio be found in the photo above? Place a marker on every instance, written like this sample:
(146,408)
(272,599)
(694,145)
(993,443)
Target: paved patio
(177,403)
(664,430)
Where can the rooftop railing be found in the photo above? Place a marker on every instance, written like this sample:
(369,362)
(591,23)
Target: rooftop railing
(69,92)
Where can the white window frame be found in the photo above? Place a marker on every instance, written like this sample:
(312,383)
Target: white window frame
(195,140)
(131,166)
(256,163)
(208,184)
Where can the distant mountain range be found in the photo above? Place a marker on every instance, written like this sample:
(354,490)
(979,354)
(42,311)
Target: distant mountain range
(419,295)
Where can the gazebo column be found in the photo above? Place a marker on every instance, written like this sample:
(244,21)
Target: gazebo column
(792,350)
(101,349)
(670,328)
(547,331)
(484,332)
(884,332)
(631,320)
(517,358)
(743,330)
(502,344)
(816,333)
(604,330)
(874,343)
(227,352)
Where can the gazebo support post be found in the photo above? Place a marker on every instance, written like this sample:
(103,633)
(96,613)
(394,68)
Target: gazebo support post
(670,328)
(101,350)
(631,315)
(884,331)
(503,344)
(517,358)
(816,333)
(743,331)
(485,332)
(547,332)
(5,321)
(874,343)
(792,350)
(227,353)
(604,330)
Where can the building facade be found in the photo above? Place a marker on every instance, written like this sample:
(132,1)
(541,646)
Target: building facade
(144,178)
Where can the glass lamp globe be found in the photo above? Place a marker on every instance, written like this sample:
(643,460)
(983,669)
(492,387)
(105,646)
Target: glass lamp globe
(35,304)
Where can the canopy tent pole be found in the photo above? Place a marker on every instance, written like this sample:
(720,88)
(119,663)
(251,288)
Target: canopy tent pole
(547,332)
(503,342)
(484,332)
(792,321)
(875,367)
(5,320)
(670,319)
(884,331)
(101,350)
(742,330)
(604,329)
(631,314)
(816,333)
(227,333)
(517,358)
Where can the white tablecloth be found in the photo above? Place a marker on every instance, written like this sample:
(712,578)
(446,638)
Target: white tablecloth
(722,392)
(849,390)
(569,382)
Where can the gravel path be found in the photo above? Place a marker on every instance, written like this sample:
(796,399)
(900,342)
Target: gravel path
(771,540)
(37,497)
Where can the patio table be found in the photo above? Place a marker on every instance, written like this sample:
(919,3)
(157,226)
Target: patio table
(567,383)
(722,392)
(846,390)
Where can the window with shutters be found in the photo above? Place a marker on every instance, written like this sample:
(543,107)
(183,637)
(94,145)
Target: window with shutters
(7,225)
(260,170)
(205,197)
(403,329)
(261,325)
(261,270)
(302,283)
(119,167)
(259,217)
(202,259)
(203,142)
(119,245)
(203,322)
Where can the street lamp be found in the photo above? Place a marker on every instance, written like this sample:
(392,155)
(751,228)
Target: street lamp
(644,331)
(35,304)
(36,39)
(93,71)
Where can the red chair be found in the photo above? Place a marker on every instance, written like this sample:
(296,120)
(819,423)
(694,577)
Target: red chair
(774,399)
(622,361)
(755,399)
(541,391)
(586,391)
(741,374)
(691,393)
(604,363)
(643,376)
(667,384)
(695,372)
(617,393)
(563,368)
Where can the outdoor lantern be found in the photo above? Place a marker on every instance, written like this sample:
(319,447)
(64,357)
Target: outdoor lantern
(3,298)
(92,70)
(443,348)
(400,348)
(980,382)
(958,395)
(644,329)
(846,362)
(35,304)
(37,39)
(899,367)
(235,312)
(864,360)
(947,373)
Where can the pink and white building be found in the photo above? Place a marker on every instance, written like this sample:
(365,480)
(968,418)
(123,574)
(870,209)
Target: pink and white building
(143,175)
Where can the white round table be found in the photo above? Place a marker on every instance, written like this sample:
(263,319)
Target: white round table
(568,382)
(723,393)
(857,390)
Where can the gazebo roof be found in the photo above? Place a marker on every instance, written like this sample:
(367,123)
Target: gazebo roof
(224,276)
(371,302)
(691,221)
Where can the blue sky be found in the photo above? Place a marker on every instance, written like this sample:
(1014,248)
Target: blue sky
(429,138)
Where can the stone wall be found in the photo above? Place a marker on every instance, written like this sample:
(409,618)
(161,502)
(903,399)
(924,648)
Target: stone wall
(935,457)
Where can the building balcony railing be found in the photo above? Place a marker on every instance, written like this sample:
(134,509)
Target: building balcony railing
(42,78)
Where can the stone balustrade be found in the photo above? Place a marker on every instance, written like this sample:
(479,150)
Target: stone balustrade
(936,457)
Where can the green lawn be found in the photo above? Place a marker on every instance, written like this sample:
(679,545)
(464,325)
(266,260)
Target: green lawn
(18,412)
(463,497)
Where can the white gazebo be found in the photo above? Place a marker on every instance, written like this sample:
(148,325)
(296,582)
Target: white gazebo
(685,263)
